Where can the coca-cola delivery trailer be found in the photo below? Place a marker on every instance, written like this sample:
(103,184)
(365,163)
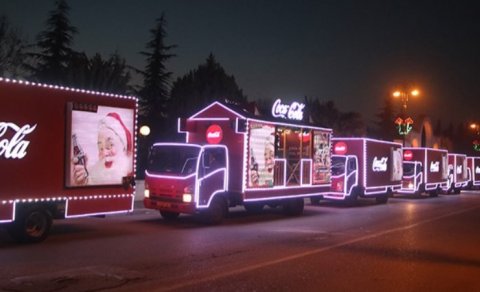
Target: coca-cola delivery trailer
(473,168)
(457,173)
(363,167)
(424,170)
(64,153)
(232,157)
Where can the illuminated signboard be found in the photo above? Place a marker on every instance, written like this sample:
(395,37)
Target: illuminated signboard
(294,111)
(434,166)
(14,146)
(408,155)
(340,148)
(459,169)
(477,170)
(261,154)
(214,134)
(100,145)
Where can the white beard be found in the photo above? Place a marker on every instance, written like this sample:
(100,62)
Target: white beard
(101,175)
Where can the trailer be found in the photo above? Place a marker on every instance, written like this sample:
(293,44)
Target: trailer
(473,169)
(424,170)
(363,167)
(457,173)
(232,157)
(64,153)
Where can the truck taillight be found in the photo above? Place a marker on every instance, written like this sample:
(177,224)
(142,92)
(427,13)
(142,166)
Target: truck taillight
(187,194)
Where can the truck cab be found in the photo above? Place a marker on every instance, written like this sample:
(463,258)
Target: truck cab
(344,174)
(185,178)
(412,180)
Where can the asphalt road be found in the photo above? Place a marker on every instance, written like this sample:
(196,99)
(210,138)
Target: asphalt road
(428,244)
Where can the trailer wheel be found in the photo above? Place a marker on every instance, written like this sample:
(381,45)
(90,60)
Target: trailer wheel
(31,226)
(169,215)
(254,208)
(216,212)
(433,193)
(293,207)
(381,199)
(457,191)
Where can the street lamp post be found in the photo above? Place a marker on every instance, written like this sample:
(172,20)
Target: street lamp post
(476,143)
(404,123)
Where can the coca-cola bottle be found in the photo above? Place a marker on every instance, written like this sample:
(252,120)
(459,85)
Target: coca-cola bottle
(79,154)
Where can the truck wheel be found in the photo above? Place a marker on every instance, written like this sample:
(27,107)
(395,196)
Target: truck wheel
(169,215)
(31,226)
(433,193)
(293,207)
(315,200)
(381,199)
(351,199)
(457,191)
(254,208)
(216,212)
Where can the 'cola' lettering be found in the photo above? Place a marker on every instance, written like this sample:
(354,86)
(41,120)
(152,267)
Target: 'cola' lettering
(435,166)
(379,164)
(285,111)
(16,146)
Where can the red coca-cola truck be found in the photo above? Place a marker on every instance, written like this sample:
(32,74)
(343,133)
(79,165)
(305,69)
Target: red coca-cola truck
(232,157)
(363,167)
(457,173)
(424,170)
(473,168)
(64,153)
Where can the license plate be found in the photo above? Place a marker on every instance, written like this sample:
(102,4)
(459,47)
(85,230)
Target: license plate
(163,205)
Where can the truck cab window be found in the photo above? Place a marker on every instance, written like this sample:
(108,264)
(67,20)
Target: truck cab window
(213,159)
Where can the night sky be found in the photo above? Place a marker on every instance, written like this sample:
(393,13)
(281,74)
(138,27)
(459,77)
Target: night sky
(353,52)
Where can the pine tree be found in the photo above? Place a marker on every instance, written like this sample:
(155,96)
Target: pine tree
(55,46)
(386,121)
(154,92)
(12,50)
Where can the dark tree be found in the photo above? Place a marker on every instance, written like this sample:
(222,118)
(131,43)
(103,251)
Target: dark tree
(96,73)
(12,50)
(386,128)
(351,124)
(154,92)
(54,45)
(208,83)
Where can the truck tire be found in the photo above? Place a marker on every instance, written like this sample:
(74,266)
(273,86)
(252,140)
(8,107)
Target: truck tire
(169,215)
(351,199)
(381,199)
(293,207)
(457,191)
(216,212)
(315,200)
(254,208)
(31,225)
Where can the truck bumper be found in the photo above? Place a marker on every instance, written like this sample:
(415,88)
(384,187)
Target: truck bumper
(188,208)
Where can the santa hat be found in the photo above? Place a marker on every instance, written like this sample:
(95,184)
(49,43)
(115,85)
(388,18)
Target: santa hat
(114,122)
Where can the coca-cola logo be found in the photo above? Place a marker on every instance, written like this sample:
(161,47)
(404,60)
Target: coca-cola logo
(14,147)
(340,148)
(434,166)
(408,155)
(293,111)
(214,134)
(379,164)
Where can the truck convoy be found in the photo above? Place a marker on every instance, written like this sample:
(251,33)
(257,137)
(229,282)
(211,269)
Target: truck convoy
(232,157)
(424,170)
(64,153)
(363,167)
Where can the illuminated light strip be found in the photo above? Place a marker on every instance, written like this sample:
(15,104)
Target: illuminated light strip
(58,87)
(213,104)
(13,211)
(345,181)
(225,176)
(210,119)
(281,197)
(178,127)
(287,188)
(298,126)
(169,176)
(309,171)
(245,160)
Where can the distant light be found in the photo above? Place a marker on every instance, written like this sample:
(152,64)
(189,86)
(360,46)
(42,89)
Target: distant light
(473,126)
(397,93)
(145,130)
(415,92)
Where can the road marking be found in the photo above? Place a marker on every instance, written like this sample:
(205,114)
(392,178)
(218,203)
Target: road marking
(308,253)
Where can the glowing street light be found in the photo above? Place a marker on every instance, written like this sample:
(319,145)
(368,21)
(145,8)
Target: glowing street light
(405,95)
(404,123)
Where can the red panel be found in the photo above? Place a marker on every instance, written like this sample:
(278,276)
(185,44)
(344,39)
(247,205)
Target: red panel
(98,206)
(6,211)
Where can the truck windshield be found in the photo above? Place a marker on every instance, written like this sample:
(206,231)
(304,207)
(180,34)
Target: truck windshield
(173,160)
(338,165)
(408,169)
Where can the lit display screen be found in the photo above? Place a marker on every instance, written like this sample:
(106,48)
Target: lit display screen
(321,157)
(100,145)
(397,168)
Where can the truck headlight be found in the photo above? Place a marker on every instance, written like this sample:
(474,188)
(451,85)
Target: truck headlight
(187,194)
(146,193)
